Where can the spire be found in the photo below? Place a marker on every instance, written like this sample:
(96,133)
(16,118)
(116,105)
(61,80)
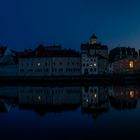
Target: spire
(93,39)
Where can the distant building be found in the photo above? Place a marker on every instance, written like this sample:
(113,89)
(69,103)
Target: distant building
(49,61)
(123,59)
(121,53)
(94,57)
(8,62)
(7,56)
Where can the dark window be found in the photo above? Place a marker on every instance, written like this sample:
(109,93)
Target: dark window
(21,70)
(30,70)
(60,63)
(83,65)
(94,69)
(38,70)
(91,90)
(95,90)
(91,70)
(46,70)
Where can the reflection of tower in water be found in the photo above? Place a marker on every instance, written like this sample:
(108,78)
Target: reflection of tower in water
(94,100)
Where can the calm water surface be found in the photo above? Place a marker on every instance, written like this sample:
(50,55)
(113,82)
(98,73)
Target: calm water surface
(91,112)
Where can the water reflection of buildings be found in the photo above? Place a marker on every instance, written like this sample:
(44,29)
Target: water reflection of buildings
(94,100)
(40,99)
(8,98)
(124,97)
(49,99)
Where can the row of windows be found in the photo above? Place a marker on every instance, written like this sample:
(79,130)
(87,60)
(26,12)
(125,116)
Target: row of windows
(50,91)
(92,69)
(42,91)
(89,59)
(47,64)
(53,70)
(91,65)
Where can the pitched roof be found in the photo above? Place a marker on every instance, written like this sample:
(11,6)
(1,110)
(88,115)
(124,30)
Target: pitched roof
(96,46)
(45,52)
(2,50)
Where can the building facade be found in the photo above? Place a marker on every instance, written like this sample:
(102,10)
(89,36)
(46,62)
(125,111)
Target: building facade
(124,59)
(50,61)
(94,57)
(8,62)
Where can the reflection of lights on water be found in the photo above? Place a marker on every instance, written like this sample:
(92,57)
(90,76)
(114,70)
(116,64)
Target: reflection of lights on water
(131,93)
(39,98)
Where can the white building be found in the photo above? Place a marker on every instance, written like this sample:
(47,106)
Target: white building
(8,62)
(94,57)
(49,61)
(7,56)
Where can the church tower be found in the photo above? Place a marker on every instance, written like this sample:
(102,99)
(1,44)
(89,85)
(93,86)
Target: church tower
(93,39)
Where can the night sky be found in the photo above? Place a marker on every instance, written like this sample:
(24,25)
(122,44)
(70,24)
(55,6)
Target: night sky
(27,23)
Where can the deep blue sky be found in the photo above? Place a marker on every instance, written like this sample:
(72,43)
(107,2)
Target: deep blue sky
(27,23)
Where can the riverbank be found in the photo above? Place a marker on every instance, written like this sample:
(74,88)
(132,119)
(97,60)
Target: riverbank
(132,78)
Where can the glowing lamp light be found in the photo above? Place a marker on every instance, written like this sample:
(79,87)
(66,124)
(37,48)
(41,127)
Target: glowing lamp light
(95,95)
(94,64)
(131,64)
(131,94)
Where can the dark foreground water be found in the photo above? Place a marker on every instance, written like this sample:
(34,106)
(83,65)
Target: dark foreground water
(48,113)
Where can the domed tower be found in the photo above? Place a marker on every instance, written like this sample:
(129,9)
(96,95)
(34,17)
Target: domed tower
(93,39)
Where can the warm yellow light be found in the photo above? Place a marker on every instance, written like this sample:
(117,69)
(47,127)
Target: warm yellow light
(131,64)
(94,64)
(132,94)
(95,95)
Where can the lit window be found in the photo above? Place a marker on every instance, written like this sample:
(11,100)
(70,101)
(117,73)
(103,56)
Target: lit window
(95,95)
(94,64)
(132,94)
(38,64)
(131,64)
(39,98)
